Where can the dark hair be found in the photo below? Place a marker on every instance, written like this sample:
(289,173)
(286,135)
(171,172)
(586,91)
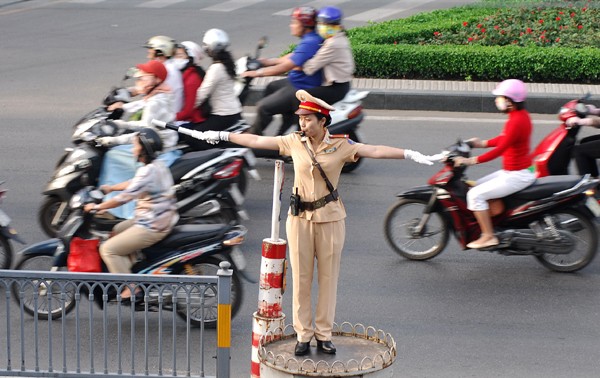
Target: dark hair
(516,105)
(224,56)
(321,116)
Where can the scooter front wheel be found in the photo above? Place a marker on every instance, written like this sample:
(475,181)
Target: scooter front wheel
(43,296)
(6,253)
(203,301)
(410,240)
(585,238)
(47,213)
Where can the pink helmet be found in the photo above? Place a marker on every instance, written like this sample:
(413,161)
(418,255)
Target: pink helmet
(513,89)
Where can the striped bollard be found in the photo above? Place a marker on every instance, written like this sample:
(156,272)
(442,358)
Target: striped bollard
(269,316)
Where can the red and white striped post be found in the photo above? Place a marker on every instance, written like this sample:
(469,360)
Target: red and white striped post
(272,276)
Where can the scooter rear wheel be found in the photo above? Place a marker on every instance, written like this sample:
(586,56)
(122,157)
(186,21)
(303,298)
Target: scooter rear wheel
(399,228)
(48,293)
(209,266)
(6,253)
(586,243)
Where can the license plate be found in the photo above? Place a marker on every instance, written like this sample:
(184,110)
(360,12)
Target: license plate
(593,205)
(238,258)
(4,219)
(237,196)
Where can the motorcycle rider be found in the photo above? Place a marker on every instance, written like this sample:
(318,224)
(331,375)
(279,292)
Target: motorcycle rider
(588,149)
(334,57)
(280,95)
(216,95)
(155,212)
(162,48)
(187,59)
(157,103)
(513,144)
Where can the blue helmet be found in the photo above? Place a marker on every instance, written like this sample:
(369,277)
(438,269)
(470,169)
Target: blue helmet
(330,15)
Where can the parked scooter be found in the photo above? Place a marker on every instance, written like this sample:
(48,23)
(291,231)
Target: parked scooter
(551,220)
(190,249)
(6,234)
(198,176)
(345,119)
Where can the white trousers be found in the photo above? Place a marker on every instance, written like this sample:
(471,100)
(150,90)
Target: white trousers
(498,184)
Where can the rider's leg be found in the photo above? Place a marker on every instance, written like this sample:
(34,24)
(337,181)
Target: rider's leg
(498,184)
(277,102)
(586,153)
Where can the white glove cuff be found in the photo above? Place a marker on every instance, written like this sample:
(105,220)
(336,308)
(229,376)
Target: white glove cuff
(224,136)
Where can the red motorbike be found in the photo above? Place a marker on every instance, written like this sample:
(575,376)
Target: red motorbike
(552,155)
(552,220)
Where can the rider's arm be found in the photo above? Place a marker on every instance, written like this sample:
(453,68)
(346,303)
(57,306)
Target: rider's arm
(284,65)
(325,55)
(380,152)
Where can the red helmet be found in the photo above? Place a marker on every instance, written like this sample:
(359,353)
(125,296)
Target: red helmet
(306,15)
(154,67)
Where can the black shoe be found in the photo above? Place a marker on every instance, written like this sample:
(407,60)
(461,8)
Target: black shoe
(302,349)
(326,347)
(137,299)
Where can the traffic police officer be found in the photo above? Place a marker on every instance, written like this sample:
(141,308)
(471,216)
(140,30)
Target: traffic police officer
(315,225)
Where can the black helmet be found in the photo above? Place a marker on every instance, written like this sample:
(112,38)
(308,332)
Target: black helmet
(151,142)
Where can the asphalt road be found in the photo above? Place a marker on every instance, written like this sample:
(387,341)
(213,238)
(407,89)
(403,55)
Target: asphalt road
(462,314)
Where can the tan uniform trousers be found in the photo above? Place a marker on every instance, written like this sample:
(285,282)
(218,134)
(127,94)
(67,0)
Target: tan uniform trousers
(324,241)
(129,238)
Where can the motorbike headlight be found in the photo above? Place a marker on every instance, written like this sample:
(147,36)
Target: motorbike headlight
(76,166)
(76,201)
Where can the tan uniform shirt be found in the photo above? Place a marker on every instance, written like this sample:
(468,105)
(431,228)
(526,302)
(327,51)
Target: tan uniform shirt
(335,58)
(331,154)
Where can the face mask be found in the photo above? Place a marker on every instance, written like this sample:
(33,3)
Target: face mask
(327,31)
(179,63)
(501,104)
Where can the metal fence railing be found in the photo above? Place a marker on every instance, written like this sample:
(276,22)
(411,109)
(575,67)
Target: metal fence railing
(64,324)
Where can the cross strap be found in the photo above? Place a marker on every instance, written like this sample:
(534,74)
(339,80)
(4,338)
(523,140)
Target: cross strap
(316,164)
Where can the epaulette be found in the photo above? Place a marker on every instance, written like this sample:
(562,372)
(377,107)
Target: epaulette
(346,136)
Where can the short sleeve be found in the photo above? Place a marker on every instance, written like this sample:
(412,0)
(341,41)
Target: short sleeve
(285,144)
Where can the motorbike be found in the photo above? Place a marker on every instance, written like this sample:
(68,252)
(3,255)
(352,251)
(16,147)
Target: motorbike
(197,175)
(552,220)
(190,249)
(346,118)
(552,155)
(6,234)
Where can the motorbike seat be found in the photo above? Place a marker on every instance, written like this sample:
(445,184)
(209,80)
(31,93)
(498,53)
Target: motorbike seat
(185,235)
(191,160)
(544,187)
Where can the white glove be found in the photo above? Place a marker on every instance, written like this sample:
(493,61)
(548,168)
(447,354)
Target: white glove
(106,141)
(436,157)
(213,137)
(417,157)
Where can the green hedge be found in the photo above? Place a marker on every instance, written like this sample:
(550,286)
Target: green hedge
(404,48)
(479,63)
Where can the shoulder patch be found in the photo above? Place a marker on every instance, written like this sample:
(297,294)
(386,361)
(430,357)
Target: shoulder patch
(340,136)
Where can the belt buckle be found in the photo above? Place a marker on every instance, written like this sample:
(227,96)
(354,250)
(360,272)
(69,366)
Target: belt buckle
(319,203)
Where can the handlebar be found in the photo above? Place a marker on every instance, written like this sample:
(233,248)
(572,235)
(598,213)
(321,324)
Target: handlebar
(165,125)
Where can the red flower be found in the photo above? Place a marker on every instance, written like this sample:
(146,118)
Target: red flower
(541,21)
(465,23)
(479,26)
(557,39)
(395,42)
(572,14)
(436,33)
(482,30)
(561,12)
(583,9)
(496,27)
(579,26)
(529,31)
(470,39)
(557,18)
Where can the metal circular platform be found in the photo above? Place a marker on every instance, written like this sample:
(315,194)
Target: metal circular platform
(361,351)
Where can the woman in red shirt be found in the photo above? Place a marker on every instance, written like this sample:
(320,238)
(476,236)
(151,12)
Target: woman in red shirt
(187,58)
(513,145)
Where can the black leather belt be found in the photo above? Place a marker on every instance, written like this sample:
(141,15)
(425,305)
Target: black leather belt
(314,205)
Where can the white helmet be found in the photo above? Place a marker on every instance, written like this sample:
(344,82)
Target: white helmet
(162,45)
(215,40)
(193,51)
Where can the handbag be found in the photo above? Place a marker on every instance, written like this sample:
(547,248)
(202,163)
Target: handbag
(84,256)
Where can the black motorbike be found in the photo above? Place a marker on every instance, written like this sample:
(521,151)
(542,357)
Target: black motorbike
(552,220)
(190,249)
(6,234)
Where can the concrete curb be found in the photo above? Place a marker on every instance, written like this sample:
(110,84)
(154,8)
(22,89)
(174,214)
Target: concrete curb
(429,95)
